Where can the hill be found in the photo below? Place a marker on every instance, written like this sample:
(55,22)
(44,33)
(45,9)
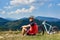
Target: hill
(3,21)
(16,24)
(50,19)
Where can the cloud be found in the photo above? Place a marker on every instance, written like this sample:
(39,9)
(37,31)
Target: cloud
(42,3)
(7,3)
(50,5)
(2,12)
(0,9)
(31,8)
(45,0)
(23,10)
(8,7)
(39,3)
(17,2)
(58,4)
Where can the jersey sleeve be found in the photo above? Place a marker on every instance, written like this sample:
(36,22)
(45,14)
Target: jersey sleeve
(32,24)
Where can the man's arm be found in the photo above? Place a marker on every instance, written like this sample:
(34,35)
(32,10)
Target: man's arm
(29,25)
(26,25)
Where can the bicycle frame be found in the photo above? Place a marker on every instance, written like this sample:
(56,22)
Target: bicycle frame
(48,31)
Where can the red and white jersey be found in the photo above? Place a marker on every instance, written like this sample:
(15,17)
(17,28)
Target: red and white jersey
(33,29)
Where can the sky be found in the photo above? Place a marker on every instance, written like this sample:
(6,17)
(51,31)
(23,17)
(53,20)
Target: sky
(17,9)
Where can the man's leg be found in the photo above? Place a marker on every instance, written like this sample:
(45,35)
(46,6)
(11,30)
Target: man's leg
(24,30)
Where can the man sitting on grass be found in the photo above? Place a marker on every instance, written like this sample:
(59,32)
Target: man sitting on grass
(30,29)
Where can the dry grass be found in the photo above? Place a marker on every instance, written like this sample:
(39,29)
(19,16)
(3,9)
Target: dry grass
(16,35)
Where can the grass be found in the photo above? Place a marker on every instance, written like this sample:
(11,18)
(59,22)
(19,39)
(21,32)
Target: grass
(16,35)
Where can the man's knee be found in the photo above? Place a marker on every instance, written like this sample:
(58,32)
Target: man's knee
(24,29)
